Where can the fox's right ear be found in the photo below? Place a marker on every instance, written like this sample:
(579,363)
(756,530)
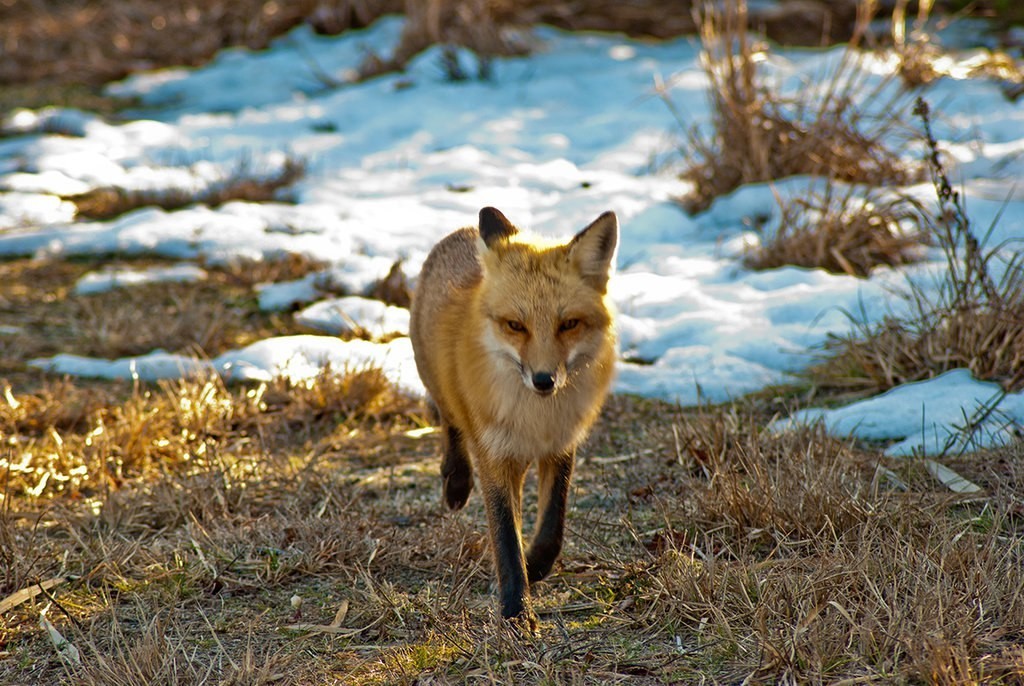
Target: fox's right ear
(592,250)
(494,227)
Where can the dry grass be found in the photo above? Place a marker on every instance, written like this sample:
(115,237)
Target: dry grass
(844,232)
(761,135)
(243,184)
(917,52)
(973,318)
(394,288)
(699,547)
(176,522)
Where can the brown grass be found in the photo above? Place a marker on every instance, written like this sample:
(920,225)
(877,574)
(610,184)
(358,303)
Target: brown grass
(242,184)
(176,521)
(849,232)
(760,135)
(973,319)
(916,52)
(699,547)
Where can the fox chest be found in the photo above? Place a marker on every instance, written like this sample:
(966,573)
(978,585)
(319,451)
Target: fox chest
(533,427)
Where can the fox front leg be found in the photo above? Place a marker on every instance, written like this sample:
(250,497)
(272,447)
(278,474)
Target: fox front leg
(553,477)
(503,498)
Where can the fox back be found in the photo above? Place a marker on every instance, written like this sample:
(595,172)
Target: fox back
(514,341)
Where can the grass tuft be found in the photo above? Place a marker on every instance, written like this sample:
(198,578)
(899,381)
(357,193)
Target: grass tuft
(849,232)
(761,135)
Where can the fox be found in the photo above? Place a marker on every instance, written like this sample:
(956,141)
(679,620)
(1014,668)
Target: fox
(514,340)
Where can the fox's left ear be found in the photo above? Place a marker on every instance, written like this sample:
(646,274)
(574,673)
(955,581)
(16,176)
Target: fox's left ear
(592,250)
(494,227)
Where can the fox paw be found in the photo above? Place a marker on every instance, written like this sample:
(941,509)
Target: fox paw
(525,622)
(456,490)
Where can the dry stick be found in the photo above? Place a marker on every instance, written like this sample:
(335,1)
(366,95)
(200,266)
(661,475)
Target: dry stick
(24,595)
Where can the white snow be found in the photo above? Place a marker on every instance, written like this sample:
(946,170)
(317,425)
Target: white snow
(353,314)
(929,417)
(555,139)
(122,277)
(297,358)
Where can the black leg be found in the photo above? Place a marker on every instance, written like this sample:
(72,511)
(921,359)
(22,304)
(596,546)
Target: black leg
(504,505)
(554,475)
(455,468)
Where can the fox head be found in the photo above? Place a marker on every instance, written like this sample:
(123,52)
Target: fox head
(545,308)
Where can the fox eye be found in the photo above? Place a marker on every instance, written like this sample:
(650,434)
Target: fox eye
(568,325)
(516,326)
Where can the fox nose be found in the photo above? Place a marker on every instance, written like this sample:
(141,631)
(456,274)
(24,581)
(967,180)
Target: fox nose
(543,382)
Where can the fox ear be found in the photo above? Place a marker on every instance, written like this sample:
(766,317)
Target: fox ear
(494,227)
(592,250)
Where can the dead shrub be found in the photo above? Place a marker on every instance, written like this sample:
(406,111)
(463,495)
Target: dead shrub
(843,232)
(761,135)
(973,319)
(242,184)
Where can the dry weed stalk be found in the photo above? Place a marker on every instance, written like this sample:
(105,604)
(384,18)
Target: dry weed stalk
(974,320)
(761,135)
(849,232)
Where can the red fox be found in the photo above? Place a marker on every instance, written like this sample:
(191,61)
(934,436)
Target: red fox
(514,342)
